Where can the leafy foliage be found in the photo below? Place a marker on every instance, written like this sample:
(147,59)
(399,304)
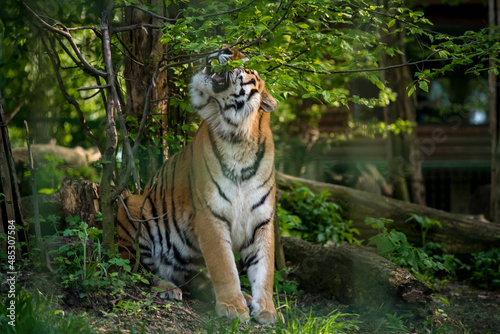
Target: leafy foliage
(313,217)
(485,269)
(394,246)
(83,263)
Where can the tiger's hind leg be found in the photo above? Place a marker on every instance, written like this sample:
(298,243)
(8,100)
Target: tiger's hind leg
(169,290)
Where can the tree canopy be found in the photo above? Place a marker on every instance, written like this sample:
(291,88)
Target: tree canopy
(306,49)
(65,60)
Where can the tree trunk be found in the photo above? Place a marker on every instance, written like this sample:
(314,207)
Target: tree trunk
(354,275)
(459,233)
(80,197)
(494,19)
(109,153)
(403,155)
(144,95)
(10,202)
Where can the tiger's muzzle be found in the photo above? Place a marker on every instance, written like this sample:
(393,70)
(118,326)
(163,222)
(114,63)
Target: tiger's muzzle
(220,81)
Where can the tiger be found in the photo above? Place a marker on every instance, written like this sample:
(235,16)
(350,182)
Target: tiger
(215,198)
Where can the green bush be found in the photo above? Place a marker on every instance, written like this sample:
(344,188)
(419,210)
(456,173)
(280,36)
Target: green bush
(394,246)
(486,269)
(86,265)
(313,217)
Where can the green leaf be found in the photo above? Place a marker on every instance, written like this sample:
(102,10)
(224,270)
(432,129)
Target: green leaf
(423,86)
(411,90)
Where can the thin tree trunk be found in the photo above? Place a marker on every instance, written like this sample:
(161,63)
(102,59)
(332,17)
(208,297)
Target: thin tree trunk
(109,155)
(403,155)
(38,230)
(494,19)
(10,204)
(144,95)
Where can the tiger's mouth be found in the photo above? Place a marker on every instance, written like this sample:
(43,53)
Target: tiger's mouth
(220,80)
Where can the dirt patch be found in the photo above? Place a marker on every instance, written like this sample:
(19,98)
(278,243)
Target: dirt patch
(462,309)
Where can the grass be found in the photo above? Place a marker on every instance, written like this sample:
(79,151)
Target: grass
(36,314)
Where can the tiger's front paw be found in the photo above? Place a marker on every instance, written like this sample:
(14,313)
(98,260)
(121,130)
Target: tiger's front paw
(264,312)
(232,309)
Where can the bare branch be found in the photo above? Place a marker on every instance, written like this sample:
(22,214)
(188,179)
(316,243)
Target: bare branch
(64,32)
(134,26)
(92,88)
(56,65)
(137,220)
(163,18)
(230,11)
(361,70)
(10,116)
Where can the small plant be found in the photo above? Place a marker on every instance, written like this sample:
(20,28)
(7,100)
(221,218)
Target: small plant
(296,321)
(394,246)
(82,262)
(425,224)
(485,269)
(313,217)
(394,323)
(284,285)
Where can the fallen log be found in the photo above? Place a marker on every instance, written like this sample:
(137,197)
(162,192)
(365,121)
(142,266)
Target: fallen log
(459,233)
(354,275)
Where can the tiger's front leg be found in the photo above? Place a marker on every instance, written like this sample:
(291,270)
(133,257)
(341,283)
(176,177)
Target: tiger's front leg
(259,260)
(215,244)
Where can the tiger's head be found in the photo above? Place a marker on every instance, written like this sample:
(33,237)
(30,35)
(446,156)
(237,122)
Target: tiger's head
(230,101)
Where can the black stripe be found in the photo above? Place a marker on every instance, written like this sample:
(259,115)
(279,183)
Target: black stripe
(150,224)
(240,104)
(189,243)
(249,82)
(178,257)
(221,193)
(250,241)
(241,93)
(167,260)
(126,230)
(174,218)
(250,171)
(218,216)
(191,193)
(144,247)
(165,223)
(263,199)
(146,253)
(251,260)
(252,92)
(267,179)
(260,125)
(164,219)
(225,170)
(226,119)
(237,105)
(146,223)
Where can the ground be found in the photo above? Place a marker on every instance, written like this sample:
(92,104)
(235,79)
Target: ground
(470,310)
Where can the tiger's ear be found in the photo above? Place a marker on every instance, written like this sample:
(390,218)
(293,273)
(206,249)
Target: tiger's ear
(267,102)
